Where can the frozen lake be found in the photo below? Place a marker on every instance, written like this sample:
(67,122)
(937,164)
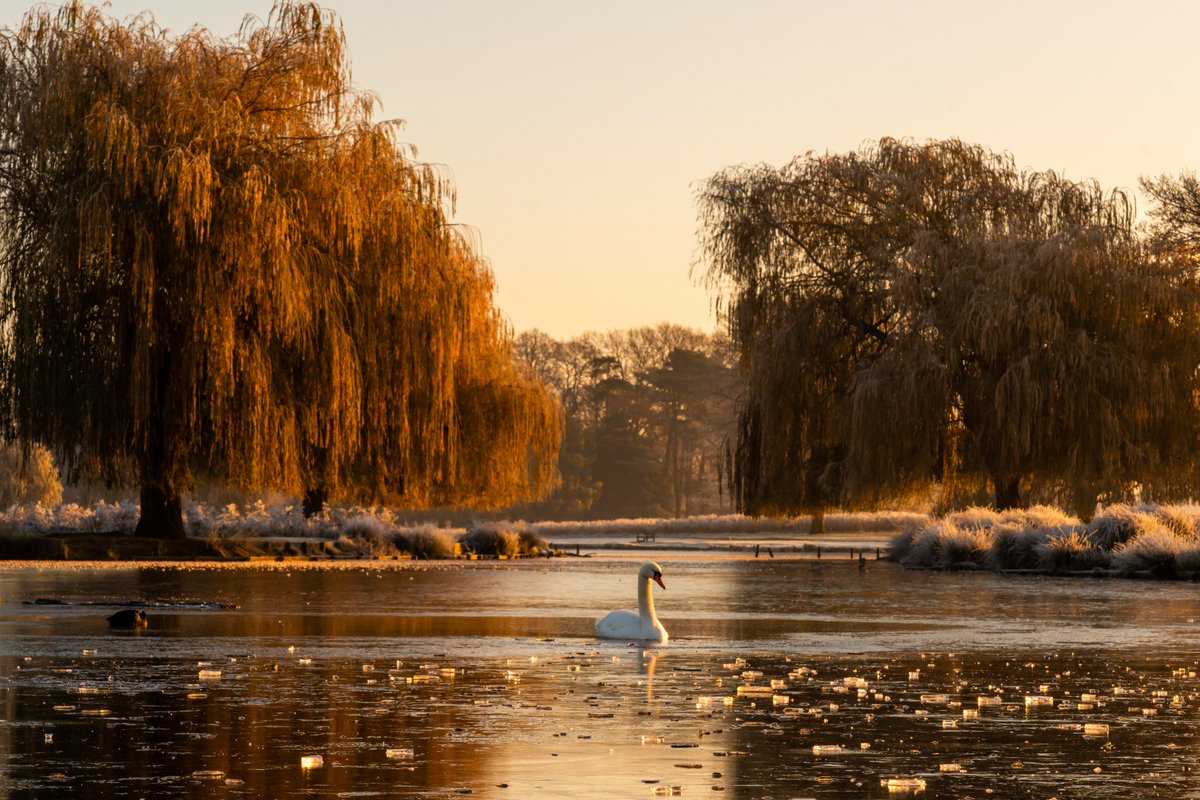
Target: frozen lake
(784,678)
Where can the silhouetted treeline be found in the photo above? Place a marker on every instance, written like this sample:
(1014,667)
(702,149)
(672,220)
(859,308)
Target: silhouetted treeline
(646,415)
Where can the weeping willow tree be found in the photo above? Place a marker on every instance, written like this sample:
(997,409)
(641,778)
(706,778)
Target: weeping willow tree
(216,263)
(912,313)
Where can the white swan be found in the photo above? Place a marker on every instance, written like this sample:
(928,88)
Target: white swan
(643,625)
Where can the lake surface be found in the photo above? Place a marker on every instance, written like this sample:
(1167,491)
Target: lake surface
(784,678)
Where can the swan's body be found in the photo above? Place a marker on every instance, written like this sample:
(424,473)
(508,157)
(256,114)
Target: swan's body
(643,625)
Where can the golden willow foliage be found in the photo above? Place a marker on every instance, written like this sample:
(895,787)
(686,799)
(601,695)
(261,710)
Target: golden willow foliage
(910,313)
(217,263)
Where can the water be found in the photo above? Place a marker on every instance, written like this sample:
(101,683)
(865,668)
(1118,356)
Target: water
(783,678)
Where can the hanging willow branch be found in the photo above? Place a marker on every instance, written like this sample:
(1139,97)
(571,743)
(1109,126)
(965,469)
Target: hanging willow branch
(219,264)
(910,313)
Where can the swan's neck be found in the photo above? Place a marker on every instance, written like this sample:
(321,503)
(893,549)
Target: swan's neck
(646,602)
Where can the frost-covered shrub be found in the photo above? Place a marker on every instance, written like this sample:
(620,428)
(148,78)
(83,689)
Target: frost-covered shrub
(531,543)
(963,547)
(1154,551)
(1013,547)
(1071,552)
(942,544)
(28,481)
(1187,560)
(491,540)
(1041,517)
(1179,519)
(899,545)
(1119,524)
(975,517)
(426,543)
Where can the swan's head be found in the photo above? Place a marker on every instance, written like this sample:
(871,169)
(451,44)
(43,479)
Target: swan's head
(651,571)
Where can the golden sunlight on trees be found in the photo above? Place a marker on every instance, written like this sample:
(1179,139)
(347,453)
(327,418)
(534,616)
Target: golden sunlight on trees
(911,313)
(217,264)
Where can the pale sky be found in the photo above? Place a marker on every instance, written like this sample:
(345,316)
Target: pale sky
(577,132)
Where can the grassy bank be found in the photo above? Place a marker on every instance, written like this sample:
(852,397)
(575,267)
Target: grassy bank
(1145,540)
(258,530)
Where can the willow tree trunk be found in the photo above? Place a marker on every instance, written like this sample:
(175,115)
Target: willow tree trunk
(1083,502)
(162,512)
(314,501)
(1008,493)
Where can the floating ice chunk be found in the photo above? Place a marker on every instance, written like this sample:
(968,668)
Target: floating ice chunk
(368,667)
(988,701)
(196,695)
(949,723)
(935,699)
(915,675)
(754,691)
(780,699)
(1095,729)
(827,749)
(208,774)
(854,682)
(400,753)
(48,738)
(304,662)
(89,652)
(1035,700)
(970,713)
(903,784)
(311,762)
(210,674)
(778,683)
(953,766)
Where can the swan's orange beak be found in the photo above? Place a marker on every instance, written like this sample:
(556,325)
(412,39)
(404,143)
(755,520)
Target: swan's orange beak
(658,580)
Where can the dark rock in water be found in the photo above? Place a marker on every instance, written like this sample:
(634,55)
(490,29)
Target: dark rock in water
(129,618)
